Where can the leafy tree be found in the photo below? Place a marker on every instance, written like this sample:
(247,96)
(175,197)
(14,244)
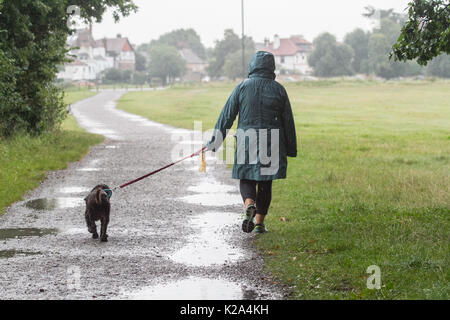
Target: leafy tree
(233,64)
(141,61)
(229,44)
(113,75)
(380,44)
(33,43)
(426,33)
(359,41)
(140,78)
(181,39)
(440,66)
(329,58)
(166,63)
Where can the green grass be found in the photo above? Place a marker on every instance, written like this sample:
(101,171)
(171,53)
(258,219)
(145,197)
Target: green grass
(73,95)
(24,160)
(370,186)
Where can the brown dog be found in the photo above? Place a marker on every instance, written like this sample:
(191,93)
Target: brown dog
(97,208)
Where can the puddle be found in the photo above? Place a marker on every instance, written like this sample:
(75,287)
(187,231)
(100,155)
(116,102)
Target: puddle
(18,233)
(213,199)
(193,288)
(11,253)
(88,169)
(209,245)
(212,193)
(213,186)
(52,204)
(73,190)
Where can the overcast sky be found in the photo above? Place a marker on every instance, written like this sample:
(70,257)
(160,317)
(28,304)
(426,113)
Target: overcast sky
(263,18)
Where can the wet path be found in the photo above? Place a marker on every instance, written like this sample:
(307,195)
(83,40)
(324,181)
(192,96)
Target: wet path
(175,235)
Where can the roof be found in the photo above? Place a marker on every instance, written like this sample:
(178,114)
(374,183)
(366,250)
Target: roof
(190,57)
(83,39)
(116,45)
(288,46)
(77,63)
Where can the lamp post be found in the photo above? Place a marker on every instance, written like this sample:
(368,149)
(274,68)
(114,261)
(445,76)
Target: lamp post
(243,41)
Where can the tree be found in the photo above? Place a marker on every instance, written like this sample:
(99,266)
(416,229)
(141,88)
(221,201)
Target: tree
(113,75)
(182,39)
(440,66)
(426,34)
(380,44)
(359,41)
(229,44)
(166,63)
(141,61)
(233,63)
(329,58)
(33,43)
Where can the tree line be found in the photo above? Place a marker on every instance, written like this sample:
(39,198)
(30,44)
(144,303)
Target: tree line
(371,52)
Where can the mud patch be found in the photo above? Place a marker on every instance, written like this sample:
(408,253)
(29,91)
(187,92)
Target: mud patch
(193,288)
(52,204)
(17,233)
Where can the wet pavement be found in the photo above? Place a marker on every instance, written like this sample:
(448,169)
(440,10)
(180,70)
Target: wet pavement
(175,235)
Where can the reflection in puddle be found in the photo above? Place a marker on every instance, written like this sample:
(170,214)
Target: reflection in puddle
(212,193)
(88,169)
(51,204)
(15,233)
(73,190)
(192,288)
(208,245)
(213,199)
(208,186)
(11,253)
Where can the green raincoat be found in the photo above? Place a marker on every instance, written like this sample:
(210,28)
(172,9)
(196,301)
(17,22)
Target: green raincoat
(262,103)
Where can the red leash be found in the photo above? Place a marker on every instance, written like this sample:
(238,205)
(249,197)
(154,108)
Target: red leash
(160,169)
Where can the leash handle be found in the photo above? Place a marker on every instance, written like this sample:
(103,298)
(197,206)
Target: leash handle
(158,170)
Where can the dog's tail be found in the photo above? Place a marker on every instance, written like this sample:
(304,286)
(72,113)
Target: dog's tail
(98,196)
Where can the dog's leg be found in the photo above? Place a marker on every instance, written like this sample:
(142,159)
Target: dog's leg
(92,227)
(104,226)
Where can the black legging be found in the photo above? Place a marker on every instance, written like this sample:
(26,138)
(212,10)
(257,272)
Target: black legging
(262,197)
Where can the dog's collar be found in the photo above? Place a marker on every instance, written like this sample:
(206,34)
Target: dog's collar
(108,192)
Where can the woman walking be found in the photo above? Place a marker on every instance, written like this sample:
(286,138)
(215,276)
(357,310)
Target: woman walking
(265,137)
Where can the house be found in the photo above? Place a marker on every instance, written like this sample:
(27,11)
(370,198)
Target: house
(290,53)
(94,56)
(196,66)
(121,50)
(77,70)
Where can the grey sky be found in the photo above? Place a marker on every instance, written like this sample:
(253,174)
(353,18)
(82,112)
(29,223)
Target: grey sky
(263,18)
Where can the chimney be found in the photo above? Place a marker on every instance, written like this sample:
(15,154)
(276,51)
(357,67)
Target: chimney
(266,42)
(276,42)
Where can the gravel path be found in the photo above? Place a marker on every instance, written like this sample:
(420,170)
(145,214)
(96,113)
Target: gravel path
(175,235)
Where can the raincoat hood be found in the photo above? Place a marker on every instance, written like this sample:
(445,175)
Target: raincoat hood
(262,65)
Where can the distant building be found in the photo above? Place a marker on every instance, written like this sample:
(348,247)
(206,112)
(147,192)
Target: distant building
(290,53)
(196,66)
(121,50)
(94,56)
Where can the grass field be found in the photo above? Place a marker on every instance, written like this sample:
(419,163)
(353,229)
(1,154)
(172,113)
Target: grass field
(370,186)
(24,160)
